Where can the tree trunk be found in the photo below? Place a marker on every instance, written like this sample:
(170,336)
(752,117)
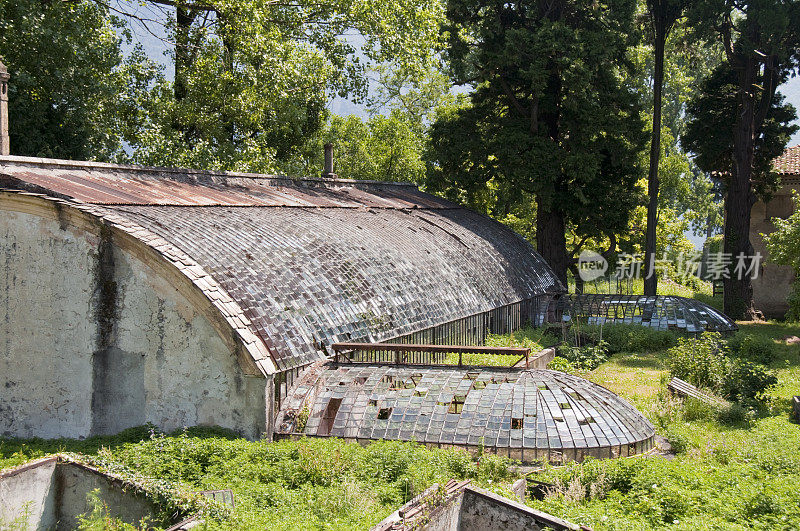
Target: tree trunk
(738,293)
(184,19)
(550,240)
(183,57)
(651,280)
(576,274)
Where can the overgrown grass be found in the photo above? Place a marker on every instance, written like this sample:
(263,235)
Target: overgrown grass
(305,484)
(734,469)
(532,338)
(482,360)
(698,289)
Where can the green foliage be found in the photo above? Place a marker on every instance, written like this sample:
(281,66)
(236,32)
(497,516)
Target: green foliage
(585,357)
(254,78)
(549,115)
(561,364)
(383,148)
(705,362)
(783,246)
(694,409)
(70,86)
(753,347)
(632,338)
(734,468)
(310,483)
(701,362)
(712,117)
(718,490)
(99,519)
(746,381)
(735,415)
(528,337)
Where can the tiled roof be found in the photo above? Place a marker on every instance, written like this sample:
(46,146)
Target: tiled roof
(298,265)
(789,162)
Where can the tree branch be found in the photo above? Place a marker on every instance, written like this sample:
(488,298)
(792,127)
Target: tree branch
(510,93)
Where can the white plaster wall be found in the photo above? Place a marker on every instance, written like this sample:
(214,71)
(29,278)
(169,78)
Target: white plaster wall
(47,333)
(162,362)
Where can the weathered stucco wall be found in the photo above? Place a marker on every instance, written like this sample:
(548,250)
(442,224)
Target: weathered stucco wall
(27,499)
(771,288)
(96,338)
(52,494)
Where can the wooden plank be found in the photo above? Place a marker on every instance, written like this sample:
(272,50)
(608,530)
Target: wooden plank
(401,347)
(684,388)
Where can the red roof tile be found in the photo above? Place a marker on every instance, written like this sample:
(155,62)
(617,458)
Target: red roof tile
(789,162)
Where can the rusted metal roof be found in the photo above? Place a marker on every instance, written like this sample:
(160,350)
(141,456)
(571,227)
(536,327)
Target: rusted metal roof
(298,265)
(104,184)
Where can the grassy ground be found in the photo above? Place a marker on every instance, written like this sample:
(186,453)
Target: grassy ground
(532,338)
(733,470)
(306,484)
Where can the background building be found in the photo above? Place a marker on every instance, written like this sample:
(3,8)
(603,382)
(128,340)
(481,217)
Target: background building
(774,282)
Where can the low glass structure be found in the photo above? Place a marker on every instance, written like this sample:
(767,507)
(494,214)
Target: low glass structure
(529,415)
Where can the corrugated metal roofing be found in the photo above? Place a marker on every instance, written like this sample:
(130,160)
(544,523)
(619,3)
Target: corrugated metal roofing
(308,263)
(123,185)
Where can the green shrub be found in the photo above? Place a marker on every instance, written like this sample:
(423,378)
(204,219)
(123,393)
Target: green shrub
(701,362)
(694,409)
(704,362)
(587,357)
(735,415)
(752,347)
(561,364)
(632,338)
(746,381)
(99,518)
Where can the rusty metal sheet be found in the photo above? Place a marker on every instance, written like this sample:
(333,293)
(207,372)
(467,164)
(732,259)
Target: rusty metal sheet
(111,185)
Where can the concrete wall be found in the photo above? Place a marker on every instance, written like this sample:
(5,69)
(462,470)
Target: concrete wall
(50,494)
(772,286)
(484,510)
(27,496)
(470,509)
(98,336)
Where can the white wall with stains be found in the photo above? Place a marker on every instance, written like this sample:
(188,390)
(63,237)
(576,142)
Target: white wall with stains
(93,340)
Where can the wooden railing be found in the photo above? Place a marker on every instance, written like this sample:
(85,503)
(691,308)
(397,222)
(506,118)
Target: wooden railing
(407,354)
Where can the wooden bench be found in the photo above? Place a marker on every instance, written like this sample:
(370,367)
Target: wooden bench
(682,388)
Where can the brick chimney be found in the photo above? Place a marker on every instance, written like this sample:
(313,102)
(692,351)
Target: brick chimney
(5,146)
(327,171)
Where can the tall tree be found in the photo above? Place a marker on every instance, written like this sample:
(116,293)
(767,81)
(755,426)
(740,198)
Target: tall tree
(762,47)
(663,15)
(549,115)
(70,83)
(253,77)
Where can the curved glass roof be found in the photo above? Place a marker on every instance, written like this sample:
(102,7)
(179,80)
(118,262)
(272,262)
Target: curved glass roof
(302,264)
(663,312)
(529,415)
